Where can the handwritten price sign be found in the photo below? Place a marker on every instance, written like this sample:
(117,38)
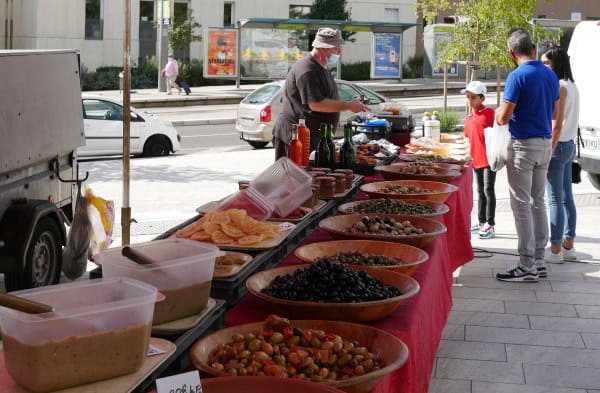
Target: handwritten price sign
(180,383)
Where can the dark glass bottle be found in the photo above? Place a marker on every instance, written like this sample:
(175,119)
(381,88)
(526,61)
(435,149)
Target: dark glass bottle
(348,150)
(331,146)
(322,155)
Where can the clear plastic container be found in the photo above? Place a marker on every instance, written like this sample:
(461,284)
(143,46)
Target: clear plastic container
(100,329)
(249,199)
(284,185)
(183,272)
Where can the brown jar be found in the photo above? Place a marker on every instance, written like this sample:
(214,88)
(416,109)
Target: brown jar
(340,182)
(326,186)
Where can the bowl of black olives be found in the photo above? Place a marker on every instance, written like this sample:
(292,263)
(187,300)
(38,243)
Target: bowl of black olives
(332,291)
(411,230)
(375,254)
(408,207)
(410,189)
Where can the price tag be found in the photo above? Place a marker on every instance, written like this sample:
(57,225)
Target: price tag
(180,383)
(286,226)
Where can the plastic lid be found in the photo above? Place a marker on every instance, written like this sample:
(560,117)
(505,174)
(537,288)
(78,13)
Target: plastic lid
(255,204)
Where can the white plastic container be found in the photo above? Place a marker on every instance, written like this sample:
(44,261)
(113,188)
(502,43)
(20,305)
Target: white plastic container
(255,204)
(183,272)
(432,129)
(100,329)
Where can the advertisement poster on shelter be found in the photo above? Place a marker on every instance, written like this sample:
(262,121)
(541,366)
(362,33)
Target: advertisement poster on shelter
(220,60)
(386,59)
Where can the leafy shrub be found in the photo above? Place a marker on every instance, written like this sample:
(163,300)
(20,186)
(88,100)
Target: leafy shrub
(356,71)
(413,68)
(192,72)
(448,121)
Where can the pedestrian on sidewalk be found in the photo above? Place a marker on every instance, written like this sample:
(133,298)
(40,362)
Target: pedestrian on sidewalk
(530,102)
(477,121)
(171,71)
(563,214)
(311,92)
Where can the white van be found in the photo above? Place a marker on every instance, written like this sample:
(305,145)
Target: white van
(584,52)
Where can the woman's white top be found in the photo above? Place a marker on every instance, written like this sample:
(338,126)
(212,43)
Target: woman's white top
(571,116)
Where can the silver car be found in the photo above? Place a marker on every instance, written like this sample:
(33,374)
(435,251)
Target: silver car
(259,110)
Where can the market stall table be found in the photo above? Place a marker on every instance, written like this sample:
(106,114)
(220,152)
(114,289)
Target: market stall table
(420,320)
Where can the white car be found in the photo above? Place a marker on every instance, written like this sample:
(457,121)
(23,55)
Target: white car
(103,124)
(258,112)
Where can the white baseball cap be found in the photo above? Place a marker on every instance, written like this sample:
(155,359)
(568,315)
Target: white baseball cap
(475,87)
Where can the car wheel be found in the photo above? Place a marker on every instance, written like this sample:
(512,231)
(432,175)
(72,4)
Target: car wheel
(595,179)
(42,261)
(258,145)
(157,145)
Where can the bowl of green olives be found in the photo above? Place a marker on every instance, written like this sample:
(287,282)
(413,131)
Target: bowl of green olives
(411,230)
(376,254)
(408,207)
(410,189)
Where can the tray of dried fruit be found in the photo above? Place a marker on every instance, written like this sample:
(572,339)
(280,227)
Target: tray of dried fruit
(234,229)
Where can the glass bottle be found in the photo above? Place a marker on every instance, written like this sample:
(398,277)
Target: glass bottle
(304,137)
(322,156)
(295,147)
(348,150)
(331,146)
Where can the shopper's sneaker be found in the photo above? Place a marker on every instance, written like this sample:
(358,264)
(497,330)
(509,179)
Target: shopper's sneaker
(476,227)
(569,254)
(554,258)
(519,274)
(542,268)
(487,232)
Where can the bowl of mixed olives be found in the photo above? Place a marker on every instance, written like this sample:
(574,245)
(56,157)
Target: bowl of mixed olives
(263,385)
(347,356)
(417,171)
(411,230)
(359,254)
(333,291)
(407,207)
(410,189)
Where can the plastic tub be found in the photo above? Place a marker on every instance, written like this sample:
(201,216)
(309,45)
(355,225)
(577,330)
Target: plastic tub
(183,272)
(253,202)
(284,184)
(99,330)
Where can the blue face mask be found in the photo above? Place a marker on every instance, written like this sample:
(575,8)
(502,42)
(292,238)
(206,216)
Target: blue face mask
(333,59)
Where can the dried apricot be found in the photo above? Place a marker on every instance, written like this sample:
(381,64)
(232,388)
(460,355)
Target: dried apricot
(231,230)
(221,238)
(250,239)
(201,235)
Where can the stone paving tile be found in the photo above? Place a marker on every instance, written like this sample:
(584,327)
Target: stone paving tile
(538,308)
(553,356)
(523,336)
(592,341)
(473,270)
(588,311)
(521,291)
(491,282)
(568,298)
(453,332)
(449,386)
(487,387)
(489,319)
(554,276)
(565,324)
(576,287)
(480,370)
(466,304)
(471,350)
(561,376)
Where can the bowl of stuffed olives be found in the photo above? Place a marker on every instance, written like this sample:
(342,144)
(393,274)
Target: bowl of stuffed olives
(410,189)
(407,207)
(417,171)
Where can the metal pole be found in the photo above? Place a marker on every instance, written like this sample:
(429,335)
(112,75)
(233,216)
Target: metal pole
(126,209)
(238,68)
(445,87)
(162,43)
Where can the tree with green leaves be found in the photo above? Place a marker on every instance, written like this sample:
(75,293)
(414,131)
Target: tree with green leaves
(182,35)
(332,10)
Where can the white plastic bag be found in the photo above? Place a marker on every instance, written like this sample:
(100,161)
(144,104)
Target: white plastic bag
(497,139)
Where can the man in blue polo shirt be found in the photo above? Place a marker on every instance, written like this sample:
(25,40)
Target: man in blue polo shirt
(529,104)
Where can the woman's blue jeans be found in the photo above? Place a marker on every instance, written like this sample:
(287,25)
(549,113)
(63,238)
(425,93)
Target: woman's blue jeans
(559,186)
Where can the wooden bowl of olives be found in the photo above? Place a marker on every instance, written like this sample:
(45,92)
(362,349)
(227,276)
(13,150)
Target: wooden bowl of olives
(417,171)
(408,207)
(263,385)
(374,254)
(411,230)
(389,350)
(410,189)
(343,301)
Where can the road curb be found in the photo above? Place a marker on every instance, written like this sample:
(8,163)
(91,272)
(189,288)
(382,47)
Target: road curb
(203,122)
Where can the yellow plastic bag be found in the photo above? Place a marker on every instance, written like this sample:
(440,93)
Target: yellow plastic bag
(102,218)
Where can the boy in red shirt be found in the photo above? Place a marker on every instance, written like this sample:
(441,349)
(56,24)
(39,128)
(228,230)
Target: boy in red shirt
(480,118)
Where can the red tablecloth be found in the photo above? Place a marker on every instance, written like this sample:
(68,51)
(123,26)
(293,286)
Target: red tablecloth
(420,320)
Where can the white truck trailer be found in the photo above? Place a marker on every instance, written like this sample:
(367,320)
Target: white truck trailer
(41,126)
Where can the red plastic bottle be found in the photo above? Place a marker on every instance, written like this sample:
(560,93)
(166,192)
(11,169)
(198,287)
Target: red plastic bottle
(304,138)
(295,147)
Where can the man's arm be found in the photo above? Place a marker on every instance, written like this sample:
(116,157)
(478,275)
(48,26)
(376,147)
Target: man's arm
(329,105)
(504,112)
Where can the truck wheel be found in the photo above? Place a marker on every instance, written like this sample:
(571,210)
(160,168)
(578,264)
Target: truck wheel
(595,179)
(158,145)
(258,145)
(42,261)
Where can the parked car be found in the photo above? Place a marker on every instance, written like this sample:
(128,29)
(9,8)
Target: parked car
(103,124)
(258,112)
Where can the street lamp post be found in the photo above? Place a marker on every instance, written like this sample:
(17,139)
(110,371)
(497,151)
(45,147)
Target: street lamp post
(164,16)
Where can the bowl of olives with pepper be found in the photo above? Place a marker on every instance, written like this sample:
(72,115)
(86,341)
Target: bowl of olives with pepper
(411,230)
(410,189)
(400,258)
(347,356)
(408,207)
(332,291)
(417,171)
(263,385)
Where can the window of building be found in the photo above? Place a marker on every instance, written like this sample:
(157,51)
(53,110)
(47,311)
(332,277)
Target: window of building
(392,15)
(93,20)
(228,16)
(299,11)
